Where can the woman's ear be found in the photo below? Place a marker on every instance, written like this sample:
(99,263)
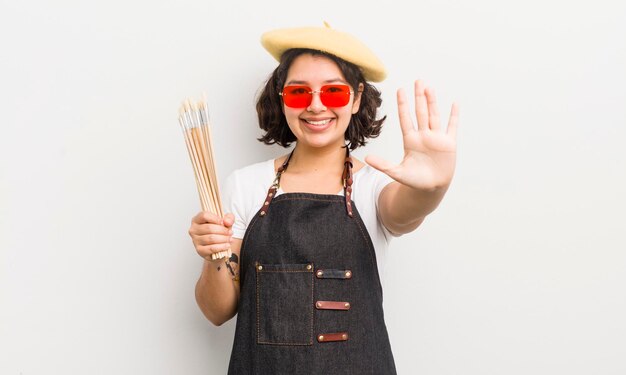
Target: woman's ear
(357,98)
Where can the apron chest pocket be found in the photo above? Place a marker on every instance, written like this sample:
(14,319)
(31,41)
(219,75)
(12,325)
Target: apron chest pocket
(284,300)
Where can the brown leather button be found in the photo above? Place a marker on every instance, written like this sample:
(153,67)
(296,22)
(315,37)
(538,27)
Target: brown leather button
(332,305)
(330,337)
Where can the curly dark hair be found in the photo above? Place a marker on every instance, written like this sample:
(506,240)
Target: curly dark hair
(363,124)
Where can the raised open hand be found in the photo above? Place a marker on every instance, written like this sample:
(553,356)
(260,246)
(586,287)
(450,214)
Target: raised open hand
(429,152)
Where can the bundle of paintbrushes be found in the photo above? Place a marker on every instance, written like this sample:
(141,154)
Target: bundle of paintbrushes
(194,120)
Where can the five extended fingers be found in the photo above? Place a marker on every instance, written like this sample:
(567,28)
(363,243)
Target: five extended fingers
(426,111)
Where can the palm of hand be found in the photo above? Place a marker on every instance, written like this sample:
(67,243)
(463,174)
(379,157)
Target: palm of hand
(429,153)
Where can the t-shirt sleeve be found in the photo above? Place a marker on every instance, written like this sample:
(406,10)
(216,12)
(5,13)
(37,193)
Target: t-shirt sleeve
(380,181)
(232,196)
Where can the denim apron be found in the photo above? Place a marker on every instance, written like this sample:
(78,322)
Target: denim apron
(311,298)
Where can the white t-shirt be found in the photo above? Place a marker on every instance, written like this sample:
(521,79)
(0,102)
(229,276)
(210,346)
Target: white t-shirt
(245,190)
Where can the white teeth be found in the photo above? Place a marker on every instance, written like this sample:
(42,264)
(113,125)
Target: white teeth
(322,122)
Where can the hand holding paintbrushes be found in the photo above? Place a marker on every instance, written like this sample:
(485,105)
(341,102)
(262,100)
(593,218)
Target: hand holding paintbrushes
(194,121)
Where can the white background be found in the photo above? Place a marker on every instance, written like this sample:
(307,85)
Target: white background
(522,269)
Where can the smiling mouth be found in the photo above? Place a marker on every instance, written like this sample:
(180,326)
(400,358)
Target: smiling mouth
(318,123)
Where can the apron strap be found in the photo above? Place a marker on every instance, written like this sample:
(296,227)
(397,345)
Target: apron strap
(347,182)
(346,178)
(271,193)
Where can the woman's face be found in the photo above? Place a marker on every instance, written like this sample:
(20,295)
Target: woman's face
(317,125)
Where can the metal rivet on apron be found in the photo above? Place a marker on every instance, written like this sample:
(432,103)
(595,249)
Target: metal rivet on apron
(320,273)
(347,305)
(318,304)
(262,213)
(266,203)
(308,267)
(320,337)
(344,336)
(260,267)
(348,274)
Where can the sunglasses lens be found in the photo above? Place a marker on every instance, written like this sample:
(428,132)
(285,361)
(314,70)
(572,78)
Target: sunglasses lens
(330,95)
(297,96)
(335,95)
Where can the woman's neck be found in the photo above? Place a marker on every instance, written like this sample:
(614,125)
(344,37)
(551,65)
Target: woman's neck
(309,159)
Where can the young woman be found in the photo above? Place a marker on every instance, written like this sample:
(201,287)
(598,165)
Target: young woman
(308,230)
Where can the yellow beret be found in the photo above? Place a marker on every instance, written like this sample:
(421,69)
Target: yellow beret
(326,39)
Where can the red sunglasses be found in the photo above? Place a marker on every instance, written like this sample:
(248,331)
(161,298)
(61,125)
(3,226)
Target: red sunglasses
(298,96)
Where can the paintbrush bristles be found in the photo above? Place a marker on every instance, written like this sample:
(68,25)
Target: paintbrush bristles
(194,121)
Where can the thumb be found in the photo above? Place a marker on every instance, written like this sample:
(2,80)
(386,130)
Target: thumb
(229,220)
(378,163)
(382,165)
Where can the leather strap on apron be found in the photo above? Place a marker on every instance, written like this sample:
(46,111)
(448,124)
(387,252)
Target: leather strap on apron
(346,179)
